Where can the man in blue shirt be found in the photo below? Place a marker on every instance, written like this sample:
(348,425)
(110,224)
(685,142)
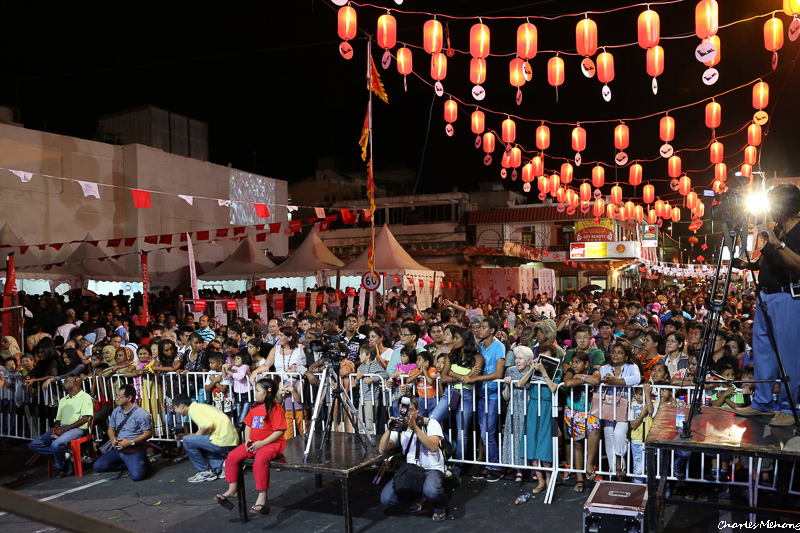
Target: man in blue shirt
(129,428)
(494,357)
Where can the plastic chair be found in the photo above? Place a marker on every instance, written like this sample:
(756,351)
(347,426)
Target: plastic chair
(75,448)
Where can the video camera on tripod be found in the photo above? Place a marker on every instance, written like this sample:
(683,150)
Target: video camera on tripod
(331,349)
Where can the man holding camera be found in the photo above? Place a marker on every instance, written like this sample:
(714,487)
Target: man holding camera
(420,445)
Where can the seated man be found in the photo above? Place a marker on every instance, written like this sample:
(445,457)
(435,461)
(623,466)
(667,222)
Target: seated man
(75,411)
(129,427)
(423,441)
(214,439)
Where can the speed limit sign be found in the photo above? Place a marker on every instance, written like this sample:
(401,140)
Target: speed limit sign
(370,281)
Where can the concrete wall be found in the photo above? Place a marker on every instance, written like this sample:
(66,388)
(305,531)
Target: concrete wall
(49,210)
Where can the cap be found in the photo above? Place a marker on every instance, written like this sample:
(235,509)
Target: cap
(90,337)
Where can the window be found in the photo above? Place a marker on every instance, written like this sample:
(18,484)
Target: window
(529,236)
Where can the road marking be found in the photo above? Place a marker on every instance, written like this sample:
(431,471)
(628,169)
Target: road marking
(76,489)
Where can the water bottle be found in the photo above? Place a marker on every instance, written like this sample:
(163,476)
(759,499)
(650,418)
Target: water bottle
(680,413)
(522,499)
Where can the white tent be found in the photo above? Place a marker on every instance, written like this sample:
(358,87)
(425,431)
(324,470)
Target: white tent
(306,267)
(245,263)
(9,239)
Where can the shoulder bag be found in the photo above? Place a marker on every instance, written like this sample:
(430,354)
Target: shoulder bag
(108,446)
(410,478)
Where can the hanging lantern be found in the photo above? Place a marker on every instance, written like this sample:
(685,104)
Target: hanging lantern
(616,194)
(714,60)
(598,176)
(674,166)
(527,173)
(477,121)
(666,129)
(578,139)
(676,214)
(516,157)
(750,155)
(404,61)
(432,36)
(649,29)
(621,137)
(561,195)
(706,19)
(684,185)
(555,184)
(566,172)
(571,196)
(543,184)
(599,207)
(438,66)
(746,170)
(720,172)
(586,192)
(760,95)
(648,194)
(505,160)
(655,61)
(555,71)
(527,41)
(488,142)
(542,137)
(586,37)
(479,40)
(635,175)
(660,208)
(538,166)
(691,200)
(713,115)
(450,111)
(652,218)
(791,7)
(667,210)
(509,130)
(611,211)
(347,23)
(638,213)
(700,258)
(701,209)
(516,72)
(718,187)
(387,31)
(630,209)
(477,70)
(754,135)
(773,34)
(717,152)
(605,67)
(693,240)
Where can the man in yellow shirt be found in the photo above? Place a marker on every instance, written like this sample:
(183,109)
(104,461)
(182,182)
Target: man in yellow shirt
(75,411)
(214,439)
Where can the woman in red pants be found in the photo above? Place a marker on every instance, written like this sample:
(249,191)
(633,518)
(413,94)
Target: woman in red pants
(265,425)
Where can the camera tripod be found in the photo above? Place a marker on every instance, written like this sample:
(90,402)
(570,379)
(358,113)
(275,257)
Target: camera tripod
(330,384)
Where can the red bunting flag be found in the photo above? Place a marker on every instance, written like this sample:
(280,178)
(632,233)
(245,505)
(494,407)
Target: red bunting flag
(141,199)
(295,225)
(113,243)
(165,239)
(203,235)
(23,249)
(129,242)
(275,228)
(574,264)
(222,233)
(411,281)
(57,246)
(441,284)
(230,305)
(458,284)
(261,237)
(199,305)
(151,239)
(449,284)
(546,252)
(347,217)
(396,279)
(367,216)
(239,230)
(261,210)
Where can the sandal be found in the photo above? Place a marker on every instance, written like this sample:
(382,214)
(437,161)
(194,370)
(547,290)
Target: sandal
(225,502)
(416,507)
(591,476)
(518,480)
(259,509)
(537,490)
(579,486)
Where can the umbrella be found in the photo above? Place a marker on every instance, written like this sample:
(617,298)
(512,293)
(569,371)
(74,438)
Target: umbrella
(80,292)
(590,288)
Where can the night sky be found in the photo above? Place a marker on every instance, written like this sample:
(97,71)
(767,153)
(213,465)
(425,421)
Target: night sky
(268,79)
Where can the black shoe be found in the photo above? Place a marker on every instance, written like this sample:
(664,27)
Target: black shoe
(66,471)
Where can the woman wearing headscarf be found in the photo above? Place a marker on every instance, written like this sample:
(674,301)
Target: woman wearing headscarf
(9,349)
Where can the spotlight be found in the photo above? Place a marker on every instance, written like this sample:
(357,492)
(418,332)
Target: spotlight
(757,202)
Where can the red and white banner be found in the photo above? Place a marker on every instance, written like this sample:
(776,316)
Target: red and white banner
(11,287)
(362,298)
(199,305)
(144,320)
(230,305)
(256,306)
(192,270)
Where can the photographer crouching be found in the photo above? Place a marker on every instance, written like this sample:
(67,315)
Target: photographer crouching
(422,476)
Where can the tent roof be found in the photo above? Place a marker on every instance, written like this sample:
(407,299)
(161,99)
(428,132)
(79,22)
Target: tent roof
(9,238)
(309,258)
(246,262)
(390,257)
(87,261)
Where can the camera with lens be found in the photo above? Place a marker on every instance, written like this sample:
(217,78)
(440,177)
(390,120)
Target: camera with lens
(330,347)
(401,424)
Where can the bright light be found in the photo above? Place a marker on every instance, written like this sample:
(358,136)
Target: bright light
(757,202)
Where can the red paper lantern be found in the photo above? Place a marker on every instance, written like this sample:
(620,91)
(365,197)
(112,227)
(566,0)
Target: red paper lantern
(717,152)
(666,129)
(652,218)
(555,71)
(387,31)
(684,185)
(715,60)
(706,19)
(516,157)
(773,34)
(438,66)
(432,36)
(691,200)
(660,208)
(648,194)
(479,40)
(630,209)
(750,155)
(747,170)
(754,135)
(527,173)
(477,121)
(555,184)
(667,210)
(616,194)
(598,176)
(599,207)
(638,213)
(538,166)
(648,29)
(566,172)
(527,41)
(516,72)
(655,61)
(586,192)
(700,258)
(611,211)
(713,115)
(450,111)
(621,137)
(571,197)
(505,159)
(578,139)
(347,23)
(760,95)
(477,70)
(791,7)
(674,166)
(542,137)
(718,187)
(721,172)
(635,175)
(676,214)
(405,63)
(586,37)
(488,142)
(543,184)
(561,195)
(605,67)
(509,130)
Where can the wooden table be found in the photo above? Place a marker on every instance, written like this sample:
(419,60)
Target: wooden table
(342,457)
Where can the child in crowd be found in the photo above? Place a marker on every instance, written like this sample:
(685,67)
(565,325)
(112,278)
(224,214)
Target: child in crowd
(748,374)
(239,371)
(370,386)
(443,379)
(293,404)
(730,398)
(425,377)
(641,420)
(405,366)
(8,390)
(660,375)
(218,384)
(578,420)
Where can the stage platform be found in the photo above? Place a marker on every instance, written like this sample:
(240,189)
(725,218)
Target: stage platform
(714,431)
